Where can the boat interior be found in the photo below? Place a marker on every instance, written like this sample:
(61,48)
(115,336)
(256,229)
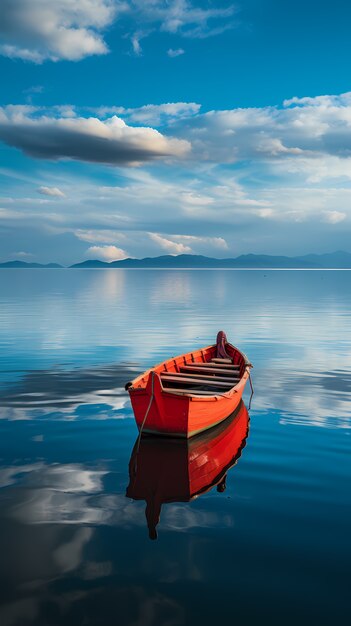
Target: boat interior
(205,378)
(206,372)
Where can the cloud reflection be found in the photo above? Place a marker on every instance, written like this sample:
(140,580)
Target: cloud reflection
(305,398)
(41,393)
(73,494)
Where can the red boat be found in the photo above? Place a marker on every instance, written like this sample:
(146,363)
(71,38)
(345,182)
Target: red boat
(175,470)
(190,393)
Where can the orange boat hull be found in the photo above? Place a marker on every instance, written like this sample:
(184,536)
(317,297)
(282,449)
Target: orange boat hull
(171,413)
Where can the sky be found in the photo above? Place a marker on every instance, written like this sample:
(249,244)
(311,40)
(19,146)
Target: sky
(133,128)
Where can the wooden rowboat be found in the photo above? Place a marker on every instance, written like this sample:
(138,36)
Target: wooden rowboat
(179,470)
(190,393)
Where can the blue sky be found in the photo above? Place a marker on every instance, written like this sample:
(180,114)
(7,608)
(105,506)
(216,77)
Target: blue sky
(135,128)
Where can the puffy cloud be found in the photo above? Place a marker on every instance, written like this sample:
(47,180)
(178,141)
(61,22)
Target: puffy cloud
(175,53)
(99,236)
(184,244)
(110,141)
(106,253)
(315,168)
(289,179)
(162,113)
(172,247)
(343,99)
(303,128)
(22,256)
(66,110)
(35,30)
(51,191)
(295,137)
(265,213)
(153,114)
(334,217)
(216,242)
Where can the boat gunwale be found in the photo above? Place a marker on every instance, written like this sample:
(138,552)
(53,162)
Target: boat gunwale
(198,397)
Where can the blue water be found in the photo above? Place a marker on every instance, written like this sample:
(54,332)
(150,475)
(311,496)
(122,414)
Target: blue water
(273,548)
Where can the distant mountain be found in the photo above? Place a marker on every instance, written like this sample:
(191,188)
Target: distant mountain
(92,264)
(24,265)
(165,261)
(196,261)
(333,260)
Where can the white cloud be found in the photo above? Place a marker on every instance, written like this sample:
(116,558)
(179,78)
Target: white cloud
(343,99)
(265,213)
(175,53)
(99,236)
(216,242)
(172,247)
(36,30)
(154,114)
(178,17)
(66,110)
(309,128)
(270,201)
(185,244)
(196,199)
(106,253)
(334,217)
(51,191)
(135,40)
(87,139)
(182,17)
(296,137)
(316,168)
(22,255)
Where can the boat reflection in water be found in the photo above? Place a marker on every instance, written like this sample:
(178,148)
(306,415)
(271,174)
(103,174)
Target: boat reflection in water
(179,470)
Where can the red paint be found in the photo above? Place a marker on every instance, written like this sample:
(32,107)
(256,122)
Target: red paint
(185,415)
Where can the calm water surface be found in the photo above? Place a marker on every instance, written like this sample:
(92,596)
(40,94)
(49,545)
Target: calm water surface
(273,548)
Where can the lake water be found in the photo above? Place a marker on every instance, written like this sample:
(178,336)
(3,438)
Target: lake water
(273,548)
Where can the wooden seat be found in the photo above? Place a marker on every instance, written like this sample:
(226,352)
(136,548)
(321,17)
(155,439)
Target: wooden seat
(195,392)
(213,366)
(204,377)
(218,360)
(175,378)
(209,370)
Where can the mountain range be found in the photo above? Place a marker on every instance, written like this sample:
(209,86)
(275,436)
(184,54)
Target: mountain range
(23,264)
(333,260)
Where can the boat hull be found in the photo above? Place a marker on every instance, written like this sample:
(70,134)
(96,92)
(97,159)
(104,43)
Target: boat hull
(168,412)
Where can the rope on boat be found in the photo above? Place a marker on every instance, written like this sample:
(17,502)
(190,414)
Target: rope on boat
(147,410)
(252,390)
(142,426)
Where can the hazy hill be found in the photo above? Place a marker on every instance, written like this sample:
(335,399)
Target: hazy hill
(338,259)
(23,264)
(332,260)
